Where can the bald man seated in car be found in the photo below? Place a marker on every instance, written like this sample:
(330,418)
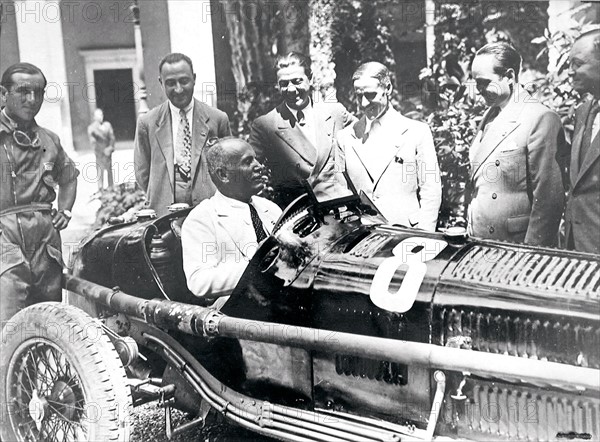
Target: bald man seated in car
(222,233)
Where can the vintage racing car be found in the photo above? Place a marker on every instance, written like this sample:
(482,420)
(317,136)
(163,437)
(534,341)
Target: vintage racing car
(342,328)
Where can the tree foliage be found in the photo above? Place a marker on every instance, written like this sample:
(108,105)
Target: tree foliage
(359,34)
(118,200)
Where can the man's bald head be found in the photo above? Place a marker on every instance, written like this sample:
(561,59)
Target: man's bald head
(584,62)
(234,169)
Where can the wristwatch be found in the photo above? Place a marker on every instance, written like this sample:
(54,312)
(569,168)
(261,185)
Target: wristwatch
(67,213)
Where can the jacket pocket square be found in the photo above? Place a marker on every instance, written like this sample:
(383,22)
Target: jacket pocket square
(511,149)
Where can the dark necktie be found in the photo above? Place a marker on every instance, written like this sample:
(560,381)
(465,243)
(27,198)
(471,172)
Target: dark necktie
(257,224)
(586,142)
(301,118)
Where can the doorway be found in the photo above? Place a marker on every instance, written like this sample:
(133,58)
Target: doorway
(115,96)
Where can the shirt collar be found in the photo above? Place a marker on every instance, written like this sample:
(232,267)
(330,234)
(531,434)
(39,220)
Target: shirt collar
(175,110)
(381,120)
(305,110)
(226,202)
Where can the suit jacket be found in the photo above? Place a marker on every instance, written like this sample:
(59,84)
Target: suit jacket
(396,166)
(515,183)
(218,241)
(282,146)
(154,153)
(582,216)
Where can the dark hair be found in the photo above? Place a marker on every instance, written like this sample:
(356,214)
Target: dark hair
(506,56)
(20,68)
(373,69)
(294,59)
(173,58)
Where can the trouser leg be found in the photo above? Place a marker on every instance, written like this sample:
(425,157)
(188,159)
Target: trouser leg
(109,175)
(46,274)
(100,173)
(14,291)
(14,269)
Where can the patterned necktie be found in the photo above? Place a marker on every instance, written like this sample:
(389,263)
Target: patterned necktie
(586,142)
(257,224)
(183,147)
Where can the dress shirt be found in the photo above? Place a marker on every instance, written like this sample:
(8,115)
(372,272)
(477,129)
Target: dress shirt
(308,128)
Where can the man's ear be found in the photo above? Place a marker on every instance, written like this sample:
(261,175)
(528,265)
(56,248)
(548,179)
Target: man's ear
(194,75)
(510,74)
(222,174)
(388,89)
(160,80)
(3,93)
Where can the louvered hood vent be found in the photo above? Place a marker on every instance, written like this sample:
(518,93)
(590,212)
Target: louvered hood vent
(527,269)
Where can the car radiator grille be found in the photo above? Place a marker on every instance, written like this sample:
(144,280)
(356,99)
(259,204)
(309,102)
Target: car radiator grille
(556,341)
(496,410)
(383,371)
(537,270)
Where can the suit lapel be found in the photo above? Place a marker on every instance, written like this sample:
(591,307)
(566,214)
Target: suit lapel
(592,155)
(398,131)
(164,137)
(356,142)
(294,137)
(575,171)
(228,218)
(325,127)
(392,157)
(200,132)
(505,124)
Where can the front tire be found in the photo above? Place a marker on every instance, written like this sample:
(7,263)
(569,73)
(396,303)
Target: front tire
(61,379)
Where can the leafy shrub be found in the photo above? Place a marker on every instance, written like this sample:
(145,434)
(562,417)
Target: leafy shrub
(117,200)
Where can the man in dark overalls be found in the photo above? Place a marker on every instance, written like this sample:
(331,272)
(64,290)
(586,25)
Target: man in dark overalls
(35,171)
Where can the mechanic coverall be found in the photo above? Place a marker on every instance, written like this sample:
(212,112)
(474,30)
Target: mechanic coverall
(31,259)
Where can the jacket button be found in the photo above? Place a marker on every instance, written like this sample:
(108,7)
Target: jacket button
(494,196)
(491,229)
(497,162)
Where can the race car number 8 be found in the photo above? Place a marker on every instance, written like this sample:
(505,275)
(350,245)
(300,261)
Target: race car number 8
(412,253)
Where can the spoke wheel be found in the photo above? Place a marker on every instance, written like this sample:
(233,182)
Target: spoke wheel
(62,380)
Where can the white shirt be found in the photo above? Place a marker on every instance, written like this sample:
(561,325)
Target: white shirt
(309,127)
(175,118)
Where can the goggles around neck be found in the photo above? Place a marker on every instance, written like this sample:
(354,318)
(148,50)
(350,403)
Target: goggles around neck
(24,141)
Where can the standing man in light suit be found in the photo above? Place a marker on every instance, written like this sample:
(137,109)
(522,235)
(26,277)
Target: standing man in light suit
(390,157)
(169,158)
(582,216)
(221,234)
(515,185)
(296,139)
